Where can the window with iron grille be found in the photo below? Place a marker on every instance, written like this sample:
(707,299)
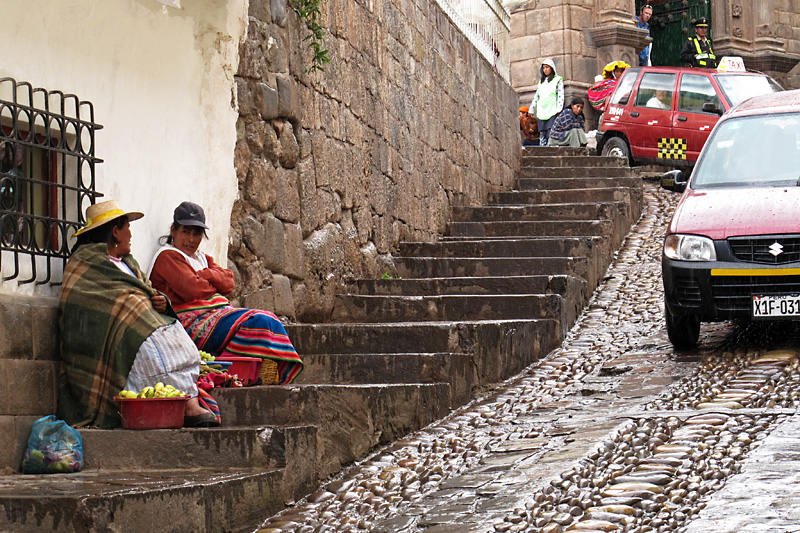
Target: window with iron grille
(47,178)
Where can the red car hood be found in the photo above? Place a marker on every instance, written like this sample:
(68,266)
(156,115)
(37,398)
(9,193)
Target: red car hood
(723,213)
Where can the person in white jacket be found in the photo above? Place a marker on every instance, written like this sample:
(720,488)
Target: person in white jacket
(548,100)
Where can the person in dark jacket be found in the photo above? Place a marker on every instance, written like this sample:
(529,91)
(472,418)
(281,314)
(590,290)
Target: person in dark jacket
(698,51)
(568,127)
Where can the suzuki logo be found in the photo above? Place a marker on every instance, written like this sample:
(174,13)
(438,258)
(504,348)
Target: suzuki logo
(776,249)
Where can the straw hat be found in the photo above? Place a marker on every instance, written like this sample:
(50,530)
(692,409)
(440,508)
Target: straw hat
(608,70)
(99,214)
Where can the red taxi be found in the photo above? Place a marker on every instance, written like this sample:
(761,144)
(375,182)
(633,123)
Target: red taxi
(663,115)
(732,249)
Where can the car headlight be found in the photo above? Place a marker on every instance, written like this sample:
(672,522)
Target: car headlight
(689,248)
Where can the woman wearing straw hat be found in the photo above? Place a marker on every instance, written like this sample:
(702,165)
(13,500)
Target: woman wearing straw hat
(599,92)
(117,332)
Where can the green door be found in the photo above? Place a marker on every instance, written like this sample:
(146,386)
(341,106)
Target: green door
(671,25)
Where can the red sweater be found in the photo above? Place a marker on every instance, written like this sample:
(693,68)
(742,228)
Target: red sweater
(173,276)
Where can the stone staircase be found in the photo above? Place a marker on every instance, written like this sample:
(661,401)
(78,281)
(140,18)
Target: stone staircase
(497,293)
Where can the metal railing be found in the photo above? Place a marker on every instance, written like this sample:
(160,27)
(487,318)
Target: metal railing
(47,178)
(487,25)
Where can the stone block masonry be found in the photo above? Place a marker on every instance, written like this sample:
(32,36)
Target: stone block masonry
(335,169)
(28,371)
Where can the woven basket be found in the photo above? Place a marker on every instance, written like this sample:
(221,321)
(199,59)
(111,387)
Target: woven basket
(268,372)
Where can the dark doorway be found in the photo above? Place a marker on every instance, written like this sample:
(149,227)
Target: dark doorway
(671,24)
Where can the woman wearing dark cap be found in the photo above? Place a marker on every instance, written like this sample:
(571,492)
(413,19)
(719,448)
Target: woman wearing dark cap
(197,287)
(568,126)
(117,332)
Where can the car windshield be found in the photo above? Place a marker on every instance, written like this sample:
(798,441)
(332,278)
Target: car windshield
(757,151)
(740,87)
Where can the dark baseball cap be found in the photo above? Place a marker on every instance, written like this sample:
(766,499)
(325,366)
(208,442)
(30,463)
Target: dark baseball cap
(189,214)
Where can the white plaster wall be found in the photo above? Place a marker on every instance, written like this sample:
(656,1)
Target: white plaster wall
(161,81)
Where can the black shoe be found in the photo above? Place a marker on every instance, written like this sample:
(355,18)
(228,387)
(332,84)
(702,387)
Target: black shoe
(205,420)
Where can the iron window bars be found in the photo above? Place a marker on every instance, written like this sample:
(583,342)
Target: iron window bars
(47,178)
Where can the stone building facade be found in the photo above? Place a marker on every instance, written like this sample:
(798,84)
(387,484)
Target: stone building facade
(582,36)
(336,169)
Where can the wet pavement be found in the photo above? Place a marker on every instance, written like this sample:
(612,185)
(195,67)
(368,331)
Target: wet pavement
(614,431)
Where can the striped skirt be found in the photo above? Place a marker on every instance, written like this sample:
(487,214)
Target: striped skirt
(243,332)
(168,356)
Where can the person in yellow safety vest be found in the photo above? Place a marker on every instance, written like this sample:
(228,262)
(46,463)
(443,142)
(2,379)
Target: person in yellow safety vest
(548,100)
(697,51)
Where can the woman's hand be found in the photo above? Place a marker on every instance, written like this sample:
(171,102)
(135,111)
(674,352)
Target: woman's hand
(159,302)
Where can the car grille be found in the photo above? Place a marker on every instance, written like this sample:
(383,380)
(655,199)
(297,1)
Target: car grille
(734,293)
(687,291)
(757,249)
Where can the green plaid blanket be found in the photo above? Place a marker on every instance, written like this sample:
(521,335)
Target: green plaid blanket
(105,317)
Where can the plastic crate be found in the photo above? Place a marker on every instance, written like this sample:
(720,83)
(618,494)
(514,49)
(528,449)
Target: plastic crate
(246,368)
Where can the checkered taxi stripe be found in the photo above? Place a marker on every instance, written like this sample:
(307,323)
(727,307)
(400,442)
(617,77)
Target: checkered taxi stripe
(671,148)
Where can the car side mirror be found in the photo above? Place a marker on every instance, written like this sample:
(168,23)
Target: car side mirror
(711,107)
(674,180)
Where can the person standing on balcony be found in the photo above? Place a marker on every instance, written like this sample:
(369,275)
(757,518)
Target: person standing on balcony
(643,22)
(548,100)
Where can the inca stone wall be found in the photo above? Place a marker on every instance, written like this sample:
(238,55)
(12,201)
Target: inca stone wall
(336,169)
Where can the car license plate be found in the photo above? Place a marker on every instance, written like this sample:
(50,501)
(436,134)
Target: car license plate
(787,305)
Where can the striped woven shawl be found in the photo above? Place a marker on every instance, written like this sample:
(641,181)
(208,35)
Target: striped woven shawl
(105,317)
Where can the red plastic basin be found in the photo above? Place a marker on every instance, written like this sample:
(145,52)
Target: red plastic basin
(152,413)
(246,368)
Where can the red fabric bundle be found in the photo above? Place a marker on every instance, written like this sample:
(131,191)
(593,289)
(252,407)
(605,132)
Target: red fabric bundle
(599,93)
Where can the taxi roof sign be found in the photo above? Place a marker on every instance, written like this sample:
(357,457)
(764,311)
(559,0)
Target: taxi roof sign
(731,63)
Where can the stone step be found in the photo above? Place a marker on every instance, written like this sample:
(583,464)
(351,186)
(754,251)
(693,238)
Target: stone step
(442,267)
(573,161)
(573,290)
(570,228)
(215,449)
(351,420)
(614,220)
(408,337)
(560,196)
(566,211)
(362,308)
(576,181)
(536,284)
(512,247)
(585,172)
(363,368)
(163,500)
(529,152)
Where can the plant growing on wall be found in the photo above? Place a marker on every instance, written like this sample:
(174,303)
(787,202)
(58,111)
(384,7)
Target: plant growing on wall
(309,11)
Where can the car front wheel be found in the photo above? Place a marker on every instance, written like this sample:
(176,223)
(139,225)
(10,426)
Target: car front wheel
(617,147)
(683,331)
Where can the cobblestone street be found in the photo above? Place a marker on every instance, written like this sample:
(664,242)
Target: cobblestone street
(614,431)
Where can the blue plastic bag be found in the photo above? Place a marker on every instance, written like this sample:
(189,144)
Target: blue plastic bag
(53,447)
